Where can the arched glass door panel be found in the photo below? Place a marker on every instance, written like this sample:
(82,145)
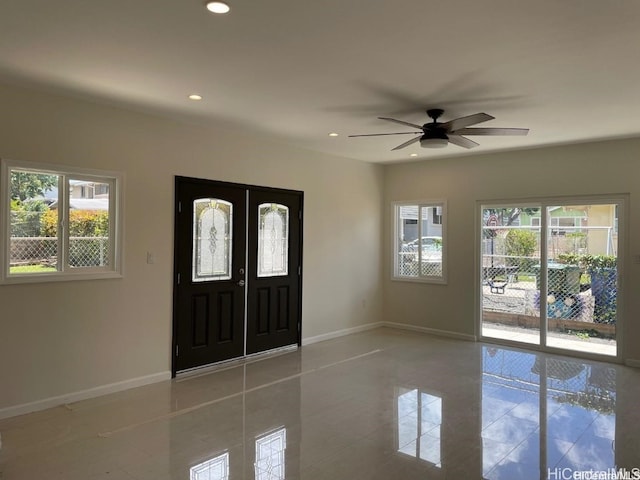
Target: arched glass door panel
(212,237)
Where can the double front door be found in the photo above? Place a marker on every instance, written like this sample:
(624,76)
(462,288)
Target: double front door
(238,271)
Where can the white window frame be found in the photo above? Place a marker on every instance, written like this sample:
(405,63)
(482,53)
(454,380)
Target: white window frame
(396,240)
(65,272)
(623,201)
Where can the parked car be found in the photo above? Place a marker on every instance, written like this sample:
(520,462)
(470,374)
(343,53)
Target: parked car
(431,248)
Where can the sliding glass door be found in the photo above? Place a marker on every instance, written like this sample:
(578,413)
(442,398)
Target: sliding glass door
(510,246)
(549,273)
(582,277)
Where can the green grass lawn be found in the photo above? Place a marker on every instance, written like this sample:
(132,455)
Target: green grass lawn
(31,269)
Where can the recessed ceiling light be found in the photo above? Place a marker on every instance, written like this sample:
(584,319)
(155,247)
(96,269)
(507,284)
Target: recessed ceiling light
(413,155)
(195,96)
(218,7)
(333,134)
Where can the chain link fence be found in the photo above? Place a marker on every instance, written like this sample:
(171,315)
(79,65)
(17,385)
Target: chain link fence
(30,249)
(581,273)
(411,264)
(43,251)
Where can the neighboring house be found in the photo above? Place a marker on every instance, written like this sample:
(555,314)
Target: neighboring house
(586,228)
(431,225)
(85,204)
(84,189)
(83,195)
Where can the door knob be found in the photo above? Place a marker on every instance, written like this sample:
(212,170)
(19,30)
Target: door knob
(241,283)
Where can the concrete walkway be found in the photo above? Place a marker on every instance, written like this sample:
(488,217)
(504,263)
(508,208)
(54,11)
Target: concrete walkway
(513,301)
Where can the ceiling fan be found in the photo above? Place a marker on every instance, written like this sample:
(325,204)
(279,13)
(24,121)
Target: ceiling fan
(439,134)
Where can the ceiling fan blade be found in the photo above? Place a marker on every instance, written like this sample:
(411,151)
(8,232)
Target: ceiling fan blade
(401,122)
(380,134)
(458,123)
(462,141)
(491,131)
(406,144)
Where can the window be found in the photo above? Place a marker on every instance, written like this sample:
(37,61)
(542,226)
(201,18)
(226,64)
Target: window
(564,224)
(54,228)
(437,215)
(419,245)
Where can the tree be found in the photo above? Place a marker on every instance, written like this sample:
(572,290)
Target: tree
(25,218)
(520,246)
(26,185)
(507,216)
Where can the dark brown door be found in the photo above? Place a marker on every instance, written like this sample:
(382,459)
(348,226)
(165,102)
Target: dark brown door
(274,274)
(209,302)
(237,289)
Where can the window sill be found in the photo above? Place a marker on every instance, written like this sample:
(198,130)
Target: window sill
(432,280)
(59,277)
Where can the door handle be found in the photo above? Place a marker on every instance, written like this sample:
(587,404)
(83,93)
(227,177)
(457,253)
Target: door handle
(241,283)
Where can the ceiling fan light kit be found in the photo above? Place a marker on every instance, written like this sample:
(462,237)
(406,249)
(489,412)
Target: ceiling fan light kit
(433,142)
(439,134)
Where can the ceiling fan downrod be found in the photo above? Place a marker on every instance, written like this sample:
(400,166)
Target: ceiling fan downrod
(435,113)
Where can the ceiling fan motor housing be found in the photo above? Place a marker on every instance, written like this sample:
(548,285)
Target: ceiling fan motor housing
(434,130)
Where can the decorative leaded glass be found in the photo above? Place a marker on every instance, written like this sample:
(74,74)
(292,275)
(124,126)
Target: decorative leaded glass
(270,455)
(215,469)
(212,235)
(273,240)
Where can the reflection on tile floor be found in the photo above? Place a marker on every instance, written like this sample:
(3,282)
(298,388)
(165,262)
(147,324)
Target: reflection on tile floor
(377,405)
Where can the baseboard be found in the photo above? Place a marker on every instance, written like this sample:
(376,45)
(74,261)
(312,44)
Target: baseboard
(431,331)
(82,395)
(341,333)
(399,326)
(630,362)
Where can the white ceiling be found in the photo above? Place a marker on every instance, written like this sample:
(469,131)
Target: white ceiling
(297,69)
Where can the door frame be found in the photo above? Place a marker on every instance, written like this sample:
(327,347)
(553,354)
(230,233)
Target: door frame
(218,183)
(622,199)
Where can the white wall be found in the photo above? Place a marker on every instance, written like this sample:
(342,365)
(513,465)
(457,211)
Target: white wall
(611,167)
(61,338)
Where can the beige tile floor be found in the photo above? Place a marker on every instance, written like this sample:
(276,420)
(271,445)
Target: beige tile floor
(377,405)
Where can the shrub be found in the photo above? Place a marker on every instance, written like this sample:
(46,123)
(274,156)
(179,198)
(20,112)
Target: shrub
(578,239)
(25,217)
(603,277)
(92,228)
(588,262)
(49,224)
(519,244)
(82,223)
